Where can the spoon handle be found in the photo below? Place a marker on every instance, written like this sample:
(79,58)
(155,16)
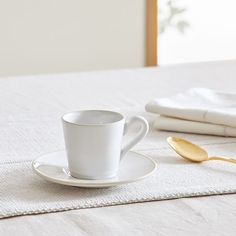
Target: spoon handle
(223,159)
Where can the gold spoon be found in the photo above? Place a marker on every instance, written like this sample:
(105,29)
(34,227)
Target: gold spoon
(192,152)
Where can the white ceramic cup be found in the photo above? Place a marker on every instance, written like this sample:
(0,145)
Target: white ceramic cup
(93,140)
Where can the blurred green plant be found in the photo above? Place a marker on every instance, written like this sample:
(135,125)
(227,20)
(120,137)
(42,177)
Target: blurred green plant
(172,17)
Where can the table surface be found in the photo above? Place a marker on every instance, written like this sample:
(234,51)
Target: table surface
(34,97)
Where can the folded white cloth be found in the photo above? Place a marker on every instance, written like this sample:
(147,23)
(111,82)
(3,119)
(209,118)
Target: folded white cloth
(188,126)
(199,110)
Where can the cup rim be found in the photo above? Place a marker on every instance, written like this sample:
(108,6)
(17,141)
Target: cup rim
(86,124)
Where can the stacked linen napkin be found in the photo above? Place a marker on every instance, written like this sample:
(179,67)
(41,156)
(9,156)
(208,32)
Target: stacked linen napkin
(199,110)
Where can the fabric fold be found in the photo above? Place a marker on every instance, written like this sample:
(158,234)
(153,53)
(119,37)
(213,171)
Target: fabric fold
(187,126)
(198,110)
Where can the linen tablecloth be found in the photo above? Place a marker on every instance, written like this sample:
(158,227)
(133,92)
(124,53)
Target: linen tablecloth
(27,101)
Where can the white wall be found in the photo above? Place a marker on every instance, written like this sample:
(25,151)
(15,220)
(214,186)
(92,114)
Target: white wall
(52,36)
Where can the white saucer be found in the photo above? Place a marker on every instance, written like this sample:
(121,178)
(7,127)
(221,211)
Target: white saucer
(53,167)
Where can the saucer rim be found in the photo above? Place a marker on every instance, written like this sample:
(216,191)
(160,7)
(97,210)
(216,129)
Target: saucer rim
(87,183)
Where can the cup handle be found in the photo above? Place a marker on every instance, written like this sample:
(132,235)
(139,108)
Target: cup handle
(144,127)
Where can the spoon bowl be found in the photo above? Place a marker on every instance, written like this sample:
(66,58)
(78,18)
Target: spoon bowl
(192,152)
(187,149)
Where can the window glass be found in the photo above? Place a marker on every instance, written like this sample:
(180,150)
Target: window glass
(196,30)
